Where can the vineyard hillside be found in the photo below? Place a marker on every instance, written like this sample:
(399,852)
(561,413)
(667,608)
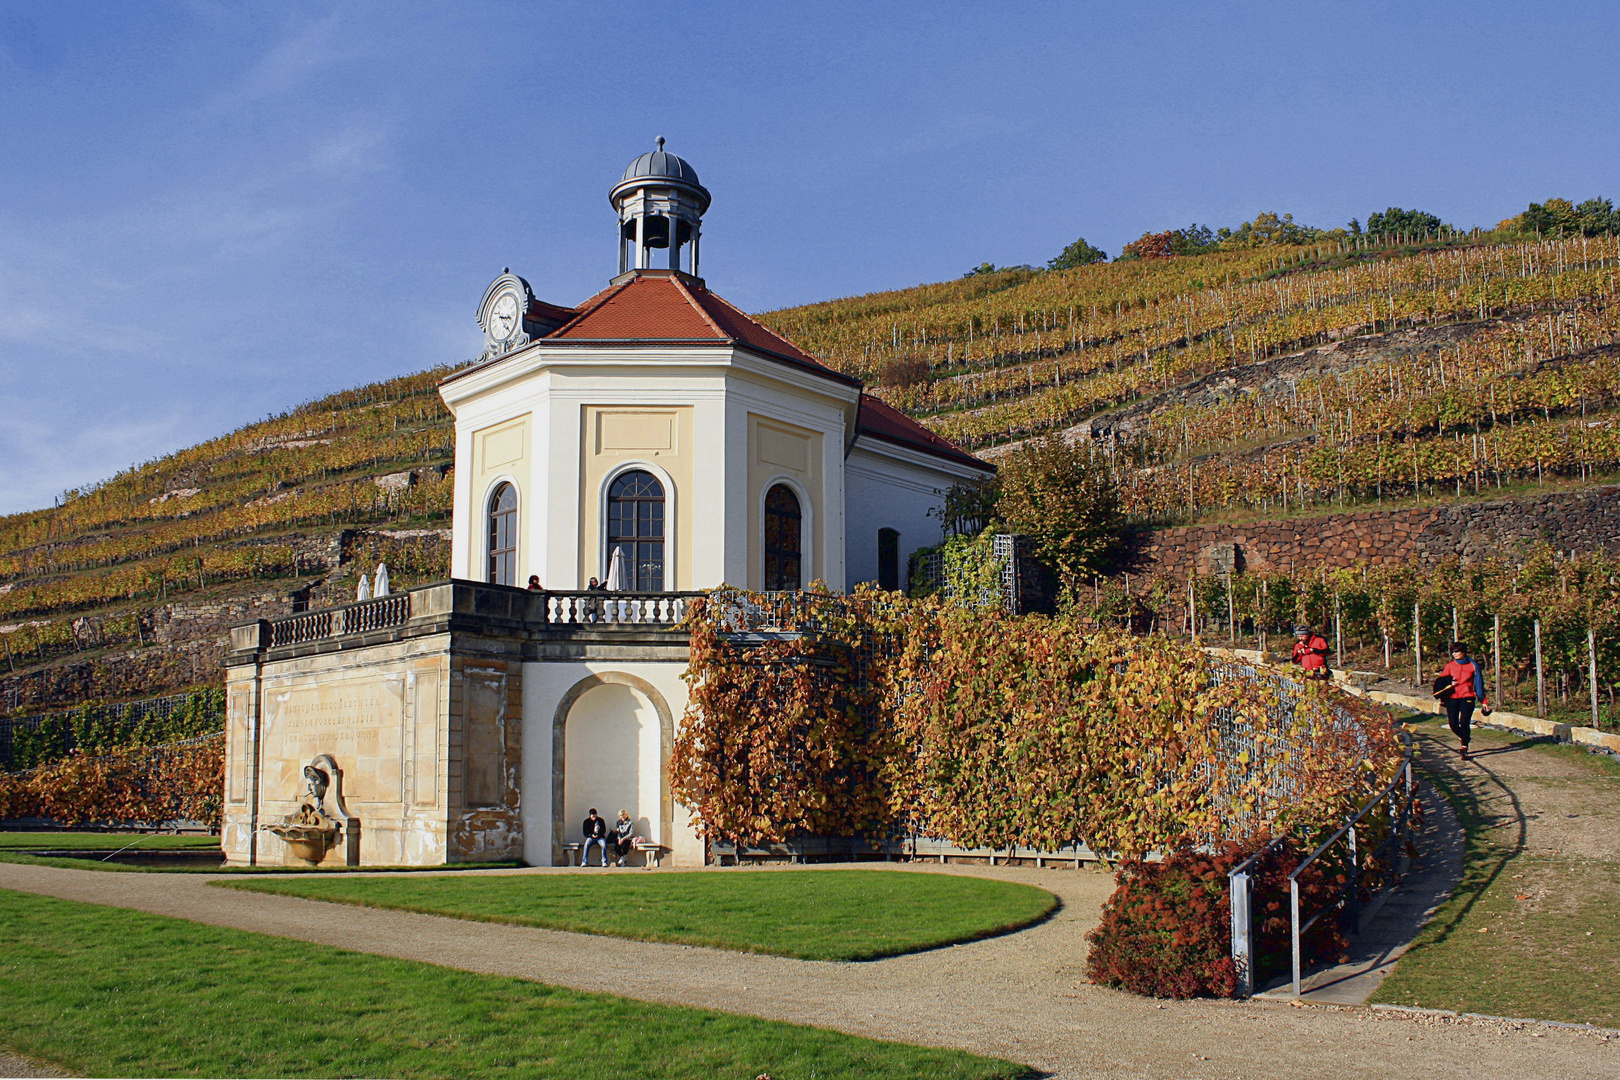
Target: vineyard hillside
(1254,383)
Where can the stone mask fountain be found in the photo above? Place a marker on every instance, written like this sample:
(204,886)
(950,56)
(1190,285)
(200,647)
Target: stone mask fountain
(312,830)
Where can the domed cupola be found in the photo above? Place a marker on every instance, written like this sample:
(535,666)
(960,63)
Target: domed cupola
(660,204)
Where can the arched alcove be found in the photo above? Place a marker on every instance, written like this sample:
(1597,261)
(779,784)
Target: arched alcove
(612,737)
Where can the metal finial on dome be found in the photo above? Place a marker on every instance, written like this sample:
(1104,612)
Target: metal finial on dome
(660,142)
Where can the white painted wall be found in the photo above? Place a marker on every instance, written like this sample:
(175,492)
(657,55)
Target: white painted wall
(891,487)
(612,759)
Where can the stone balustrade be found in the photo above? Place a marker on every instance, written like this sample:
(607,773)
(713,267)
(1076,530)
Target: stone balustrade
(615,609)
(418,610)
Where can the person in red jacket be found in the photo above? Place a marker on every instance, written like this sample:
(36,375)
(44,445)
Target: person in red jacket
(1310,653)
(1460,687)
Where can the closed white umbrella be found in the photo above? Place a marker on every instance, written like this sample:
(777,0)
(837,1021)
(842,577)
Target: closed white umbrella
(381,588)
(615,581)
(363,590)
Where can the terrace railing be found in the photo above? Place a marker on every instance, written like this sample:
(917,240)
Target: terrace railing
(601,609)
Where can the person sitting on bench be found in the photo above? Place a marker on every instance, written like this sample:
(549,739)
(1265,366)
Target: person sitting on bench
(624,835)
(596,831)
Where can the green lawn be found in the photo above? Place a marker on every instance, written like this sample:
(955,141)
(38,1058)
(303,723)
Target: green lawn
(94,841)
(1530,933)
(809,914)
(107,992)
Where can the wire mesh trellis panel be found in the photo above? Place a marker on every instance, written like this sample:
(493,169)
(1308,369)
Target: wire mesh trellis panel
(210,705)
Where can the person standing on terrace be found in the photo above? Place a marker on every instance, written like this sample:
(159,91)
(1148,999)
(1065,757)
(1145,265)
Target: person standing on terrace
(1310,653)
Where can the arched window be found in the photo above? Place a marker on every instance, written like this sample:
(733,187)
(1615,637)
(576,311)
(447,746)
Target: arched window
(635,529)
(503,535)
(782,553)
(888,559)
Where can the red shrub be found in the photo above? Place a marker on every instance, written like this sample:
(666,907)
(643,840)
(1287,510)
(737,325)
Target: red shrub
(1167,930)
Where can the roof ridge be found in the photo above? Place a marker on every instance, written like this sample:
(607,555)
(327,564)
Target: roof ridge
(744,315)
(698,307)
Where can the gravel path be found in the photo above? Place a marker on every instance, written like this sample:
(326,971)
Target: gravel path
(1022,996)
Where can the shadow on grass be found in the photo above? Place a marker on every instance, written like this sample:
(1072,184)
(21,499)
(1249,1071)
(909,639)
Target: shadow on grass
(1484,858)
(984,935)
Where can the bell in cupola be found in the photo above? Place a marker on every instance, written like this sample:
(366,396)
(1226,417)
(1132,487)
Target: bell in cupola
(660,204)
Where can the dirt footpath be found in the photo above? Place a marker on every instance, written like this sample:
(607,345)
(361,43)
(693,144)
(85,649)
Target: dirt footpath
(1022,996)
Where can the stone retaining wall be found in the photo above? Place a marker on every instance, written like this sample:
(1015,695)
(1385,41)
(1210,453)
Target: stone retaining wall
(1583,521)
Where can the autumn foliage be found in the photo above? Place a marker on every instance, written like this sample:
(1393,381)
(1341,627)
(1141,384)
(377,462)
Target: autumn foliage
(873,715)
(150,786)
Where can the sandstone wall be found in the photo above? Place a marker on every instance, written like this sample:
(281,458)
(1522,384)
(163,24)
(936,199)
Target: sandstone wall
(1582,521)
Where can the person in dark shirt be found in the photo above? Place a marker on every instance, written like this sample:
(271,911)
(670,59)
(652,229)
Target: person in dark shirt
(596,830)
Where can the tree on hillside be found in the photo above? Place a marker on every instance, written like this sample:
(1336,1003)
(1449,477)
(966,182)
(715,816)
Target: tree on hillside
(1076,254)
(1267,229)
(983,268)
(1195,239)
(1560,217)
(1396,220)
(1052,493)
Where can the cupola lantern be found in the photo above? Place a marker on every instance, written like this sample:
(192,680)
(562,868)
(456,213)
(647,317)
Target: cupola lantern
(660,204)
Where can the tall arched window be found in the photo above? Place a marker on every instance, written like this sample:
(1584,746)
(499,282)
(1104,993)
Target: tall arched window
(635,529)
(888,559)
(503,538)
(782,555)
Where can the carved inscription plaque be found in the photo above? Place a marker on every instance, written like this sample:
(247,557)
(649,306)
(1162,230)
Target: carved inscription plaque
(359,720)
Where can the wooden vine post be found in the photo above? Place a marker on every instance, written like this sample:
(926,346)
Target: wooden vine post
(1496,654)
(1231,613)
(1541,682)
(1591,671)
(1338,632)
(1417,643)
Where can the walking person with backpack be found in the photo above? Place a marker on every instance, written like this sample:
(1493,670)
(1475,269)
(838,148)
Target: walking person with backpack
(1460,687)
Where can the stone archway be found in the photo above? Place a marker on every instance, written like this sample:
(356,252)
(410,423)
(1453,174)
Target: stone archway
(600,740)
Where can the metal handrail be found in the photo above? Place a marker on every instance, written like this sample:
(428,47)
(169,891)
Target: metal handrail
(1239,877)
(1397,837)
(1237,891)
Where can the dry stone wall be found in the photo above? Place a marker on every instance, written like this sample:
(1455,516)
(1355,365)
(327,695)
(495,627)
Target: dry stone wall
(1581,521)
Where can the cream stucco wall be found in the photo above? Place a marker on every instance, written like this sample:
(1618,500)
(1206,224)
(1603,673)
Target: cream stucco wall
(500,453)
(782,453)
(615,439)
(714,467)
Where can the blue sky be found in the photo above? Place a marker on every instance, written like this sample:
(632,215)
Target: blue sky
(210,212)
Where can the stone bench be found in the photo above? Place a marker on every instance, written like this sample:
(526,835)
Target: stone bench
(652,853)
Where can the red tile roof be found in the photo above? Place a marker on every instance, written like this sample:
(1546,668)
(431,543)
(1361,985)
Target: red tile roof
(659,306)
(881,420)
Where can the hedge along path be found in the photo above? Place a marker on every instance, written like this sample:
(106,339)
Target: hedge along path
(873,714)
(1021,997)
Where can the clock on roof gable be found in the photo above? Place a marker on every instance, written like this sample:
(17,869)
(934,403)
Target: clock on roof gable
(501,314)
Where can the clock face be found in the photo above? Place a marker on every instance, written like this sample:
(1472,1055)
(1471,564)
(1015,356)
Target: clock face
(503,317)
